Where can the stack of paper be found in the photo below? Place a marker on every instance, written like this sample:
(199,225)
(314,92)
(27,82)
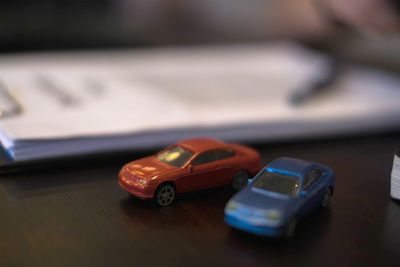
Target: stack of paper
(395,178)
(71,103)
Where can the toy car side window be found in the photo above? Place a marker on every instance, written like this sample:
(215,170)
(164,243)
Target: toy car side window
(224,153)
(311,177)
(204,157)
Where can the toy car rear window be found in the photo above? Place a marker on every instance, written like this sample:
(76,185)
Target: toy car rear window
(224,153)
(276,182)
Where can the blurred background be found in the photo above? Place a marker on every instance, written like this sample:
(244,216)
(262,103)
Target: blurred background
(362,30)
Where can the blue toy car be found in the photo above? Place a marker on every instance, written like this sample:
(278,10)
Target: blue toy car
(279,195)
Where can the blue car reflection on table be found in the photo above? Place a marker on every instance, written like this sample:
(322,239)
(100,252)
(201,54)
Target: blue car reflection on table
(279,195)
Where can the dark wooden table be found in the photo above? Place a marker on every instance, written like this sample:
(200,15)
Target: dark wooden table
(77,215)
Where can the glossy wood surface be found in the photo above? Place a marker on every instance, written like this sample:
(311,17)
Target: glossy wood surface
(77,215)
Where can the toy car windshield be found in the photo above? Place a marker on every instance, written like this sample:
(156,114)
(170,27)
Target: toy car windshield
(278,183)
(176,156)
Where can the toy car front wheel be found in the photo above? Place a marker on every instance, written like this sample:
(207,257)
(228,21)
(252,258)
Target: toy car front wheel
(165,195)
(291,227)
(240,180)
(327,198)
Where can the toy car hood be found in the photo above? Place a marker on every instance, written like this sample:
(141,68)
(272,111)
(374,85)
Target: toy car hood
(263,199)
(148,167)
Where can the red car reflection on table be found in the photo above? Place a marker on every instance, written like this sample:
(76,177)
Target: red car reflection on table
(189,165)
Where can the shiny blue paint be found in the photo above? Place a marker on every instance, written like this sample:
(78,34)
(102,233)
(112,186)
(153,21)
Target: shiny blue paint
(255,229)
(284,172)
(299,206)
(291,165)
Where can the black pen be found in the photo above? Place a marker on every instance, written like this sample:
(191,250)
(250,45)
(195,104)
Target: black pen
(321,83)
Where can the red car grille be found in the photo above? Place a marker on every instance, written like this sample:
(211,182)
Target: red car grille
(130,176)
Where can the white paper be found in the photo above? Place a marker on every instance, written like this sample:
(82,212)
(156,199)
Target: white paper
(395,181)
(75,95)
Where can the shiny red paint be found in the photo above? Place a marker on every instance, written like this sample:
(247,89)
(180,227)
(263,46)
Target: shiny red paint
(142,177)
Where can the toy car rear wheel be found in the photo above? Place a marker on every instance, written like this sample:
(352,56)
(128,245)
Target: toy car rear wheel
(165,195)
(239,180)
(327,198)
(291,227)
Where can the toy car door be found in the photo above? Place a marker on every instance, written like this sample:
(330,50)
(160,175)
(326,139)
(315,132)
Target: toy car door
(314,188)
(203,172)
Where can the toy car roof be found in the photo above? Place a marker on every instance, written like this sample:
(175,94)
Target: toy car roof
(290,166)
(202,144)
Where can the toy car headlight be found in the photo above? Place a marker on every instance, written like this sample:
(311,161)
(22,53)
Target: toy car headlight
(231,206)
(142,182)
(273,215)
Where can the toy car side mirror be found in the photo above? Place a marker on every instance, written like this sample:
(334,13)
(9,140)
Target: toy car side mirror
(303,193)
(190,168)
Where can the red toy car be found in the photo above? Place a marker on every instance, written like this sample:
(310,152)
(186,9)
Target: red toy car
(189,165)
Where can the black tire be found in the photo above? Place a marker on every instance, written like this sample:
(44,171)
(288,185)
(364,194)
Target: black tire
(327,198)
(240,180)
(165,195)
(291,227)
